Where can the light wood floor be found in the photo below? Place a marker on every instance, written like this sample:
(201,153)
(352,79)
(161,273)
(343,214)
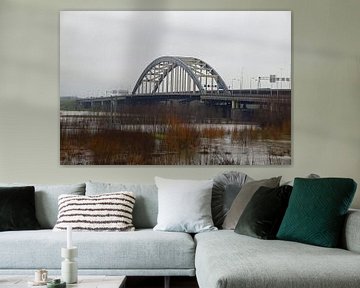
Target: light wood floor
(158,282)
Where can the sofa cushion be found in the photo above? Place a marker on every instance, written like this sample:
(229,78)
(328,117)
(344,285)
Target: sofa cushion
(46,200)
(263,215)
(243,198)
(317,209)
(225,259)
(184,205)
(138,250)
(350,239)
(17,208)
(311,176)
(146,205)
(225,189)
(105,212)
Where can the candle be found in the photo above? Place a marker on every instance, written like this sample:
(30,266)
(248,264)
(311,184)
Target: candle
(69,239)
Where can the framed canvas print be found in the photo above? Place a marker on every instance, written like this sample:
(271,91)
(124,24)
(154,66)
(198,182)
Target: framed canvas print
(175,88)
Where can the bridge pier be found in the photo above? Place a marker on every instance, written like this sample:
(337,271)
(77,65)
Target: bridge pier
(235,111)
(235,104)
(236,114)
(113,106)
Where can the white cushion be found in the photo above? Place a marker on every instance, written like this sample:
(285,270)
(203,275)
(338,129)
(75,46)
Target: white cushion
(105,212)
(184,205)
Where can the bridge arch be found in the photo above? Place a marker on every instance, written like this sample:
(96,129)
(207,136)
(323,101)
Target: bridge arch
(176,74)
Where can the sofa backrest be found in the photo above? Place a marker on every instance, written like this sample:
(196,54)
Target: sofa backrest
(46,200)
(146,203)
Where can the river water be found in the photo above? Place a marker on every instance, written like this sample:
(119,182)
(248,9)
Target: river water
(224,150)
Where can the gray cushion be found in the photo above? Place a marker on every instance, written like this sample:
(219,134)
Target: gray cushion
(146,204)
(351,236)
(46,200)
(144,249)
(184,205)
(226,187)
(243,198)
(225,259)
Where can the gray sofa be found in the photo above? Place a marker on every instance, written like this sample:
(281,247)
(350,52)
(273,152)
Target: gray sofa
(226,259)
(218,259)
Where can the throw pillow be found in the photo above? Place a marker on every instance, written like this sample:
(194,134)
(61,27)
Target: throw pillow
(226,187)
(46,200)
(17,208)
(263,215)
(243,198)
(311,176)
(146,205)
(184,205)
(316,211)
(106,212)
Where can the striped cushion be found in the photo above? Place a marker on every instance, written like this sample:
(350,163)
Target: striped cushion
(105,212)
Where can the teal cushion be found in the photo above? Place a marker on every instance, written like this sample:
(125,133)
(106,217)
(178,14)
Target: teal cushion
(316,211)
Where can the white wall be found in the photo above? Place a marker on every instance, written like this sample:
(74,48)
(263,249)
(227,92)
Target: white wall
(326,91)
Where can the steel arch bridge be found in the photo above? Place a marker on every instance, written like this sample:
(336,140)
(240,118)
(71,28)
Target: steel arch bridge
(179,75)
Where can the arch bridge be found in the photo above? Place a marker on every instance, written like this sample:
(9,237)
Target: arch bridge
(179,75)
(186,79)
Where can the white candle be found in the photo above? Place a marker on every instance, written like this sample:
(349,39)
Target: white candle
(69,239)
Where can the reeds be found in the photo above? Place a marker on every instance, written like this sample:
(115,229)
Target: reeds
(161,135)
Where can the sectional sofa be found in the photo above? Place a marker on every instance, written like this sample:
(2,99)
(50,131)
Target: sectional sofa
(218,259)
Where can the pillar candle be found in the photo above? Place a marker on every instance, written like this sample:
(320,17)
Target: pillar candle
(69,237)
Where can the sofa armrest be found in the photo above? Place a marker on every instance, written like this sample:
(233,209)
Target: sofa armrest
(351,233)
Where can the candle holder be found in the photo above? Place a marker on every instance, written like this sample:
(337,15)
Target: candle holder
(68,265)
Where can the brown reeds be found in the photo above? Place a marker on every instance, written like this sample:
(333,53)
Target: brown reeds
(181,139)
(170,134)
(213,132)
(245,136)
(281,131)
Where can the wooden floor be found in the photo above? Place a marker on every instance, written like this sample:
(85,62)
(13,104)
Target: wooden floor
(158,282)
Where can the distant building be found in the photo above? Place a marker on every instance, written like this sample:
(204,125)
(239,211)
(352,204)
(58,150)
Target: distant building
(116,92)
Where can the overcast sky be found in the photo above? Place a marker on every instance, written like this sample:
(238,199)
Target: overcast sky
(108,50)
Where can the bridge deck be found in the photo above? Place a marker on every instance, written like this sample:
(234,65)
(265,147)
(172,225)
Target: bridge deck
(248,95)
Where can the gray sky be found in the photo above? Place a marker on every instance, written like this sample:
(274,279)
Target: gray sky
(104,50)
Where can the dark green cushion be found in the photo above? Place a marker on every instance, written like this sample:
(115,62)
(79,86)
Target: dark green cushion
(316,211)
(264,213)
(17,208)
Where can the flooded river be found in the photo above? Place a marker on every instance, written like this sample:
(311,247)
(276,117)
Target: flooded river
(112,141)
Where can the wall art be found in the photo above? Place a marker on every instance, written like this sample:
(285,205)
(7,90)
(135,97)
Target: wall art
(175,88)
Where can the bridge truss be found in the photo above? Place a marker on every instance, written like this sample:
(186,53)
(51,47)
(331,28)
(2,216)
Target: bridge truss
(169,74)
